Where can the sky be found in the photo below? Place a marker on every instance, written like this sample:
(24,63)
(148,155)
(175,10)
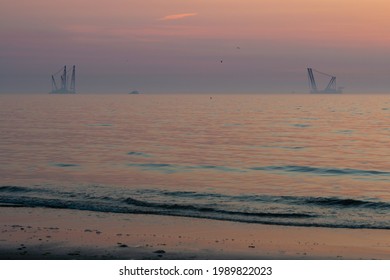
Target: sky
(178,45)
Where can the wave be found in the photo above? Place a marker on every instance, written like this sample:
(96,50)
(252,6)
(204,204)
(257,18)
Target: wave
(346,202)
(60,164)
(214,210)
(173,168)
(262,209)
(140,154)
(15,189)
(318,201)
(322,171)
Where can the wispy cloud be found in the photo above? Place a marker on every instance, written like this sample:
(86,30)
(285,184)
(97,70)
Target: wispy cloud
(178,16)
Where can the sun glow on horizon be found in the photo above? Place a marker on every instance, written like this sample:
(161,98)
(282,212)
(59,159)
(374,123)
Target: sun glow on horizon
(178,16)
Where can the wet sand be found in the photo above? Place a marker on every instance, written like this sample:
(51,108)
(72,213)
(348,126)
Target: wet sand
(34,233)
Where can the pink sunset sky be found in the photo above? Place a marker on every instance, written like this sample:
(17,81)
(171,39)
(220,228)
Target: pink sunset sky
(178,45)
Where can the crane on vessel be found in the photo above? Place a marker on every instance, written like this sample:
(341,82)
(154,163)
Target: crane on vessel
(65,87)
(331,86)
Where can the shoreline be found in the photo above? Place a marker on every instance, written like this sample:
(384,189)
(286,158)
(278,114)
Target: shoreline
(44,234)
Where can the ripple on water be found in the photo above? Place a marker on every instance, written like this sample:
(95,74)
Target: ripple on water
(139,154)
(60,164)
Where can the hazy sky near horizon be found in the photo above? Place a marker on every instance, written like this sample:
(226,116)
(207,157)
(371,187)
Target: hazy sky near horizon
(178,45)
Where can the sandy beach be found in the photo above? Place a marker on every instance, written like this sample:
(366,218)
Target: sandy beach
(34,233)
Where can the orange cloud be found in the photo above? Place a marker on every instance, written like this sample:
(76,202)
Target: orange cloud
(178,16)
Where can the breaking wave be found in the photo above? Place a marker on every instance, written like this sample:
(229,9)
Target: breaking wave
(333,212)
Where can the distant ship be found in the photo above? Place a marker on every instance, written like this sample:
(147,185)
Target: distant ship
(330,88)
(134,92)
(65,87)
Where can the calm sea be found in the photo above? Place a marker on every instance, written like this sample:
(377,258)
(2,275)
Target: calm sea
(296,159)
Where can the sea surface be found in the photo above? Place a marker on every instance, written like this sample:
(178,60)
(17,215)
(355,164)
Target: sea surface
(283,159)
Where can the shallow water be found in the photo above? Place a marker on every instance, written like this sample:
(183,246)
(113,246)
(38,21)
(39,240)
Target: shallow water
(298,159)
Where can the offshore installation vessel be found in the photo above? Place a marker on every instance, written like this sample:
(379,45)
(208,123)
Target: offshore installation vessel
(330,88)
(66,85)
